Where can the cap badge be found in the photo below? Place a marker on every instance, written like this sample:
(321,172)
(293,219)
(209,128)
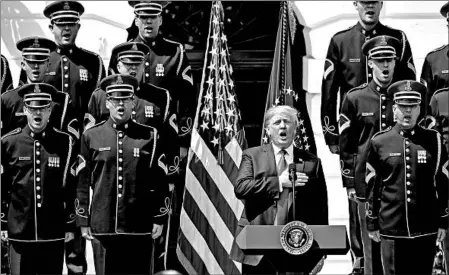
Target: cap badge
(134,47)
(66,6)
(36,43)
(383,41)
(119,80)
(407,86)
(37,89)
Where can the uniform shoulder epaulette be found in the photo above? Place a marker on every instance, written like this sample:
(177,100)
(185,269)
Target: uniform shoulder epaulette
(441,90)
(438,49)
(343,31)
(358,88)
(89,52)
(10,89)
(13,132)
(171,41)
(382,132)
(94,126)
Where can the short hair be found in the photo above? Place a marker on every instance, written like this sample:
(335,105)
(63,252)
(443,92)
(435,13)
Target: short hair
(281,109)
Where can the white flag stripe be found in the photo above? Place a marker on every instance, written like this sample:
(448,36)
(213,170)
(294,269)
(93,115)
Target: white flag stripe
(209,211)
(198,243)
(216,173)
(234,150)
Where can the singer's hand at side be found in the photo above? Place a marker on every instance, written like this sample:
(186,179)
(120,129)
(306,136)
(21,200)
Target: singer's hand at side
(301,180)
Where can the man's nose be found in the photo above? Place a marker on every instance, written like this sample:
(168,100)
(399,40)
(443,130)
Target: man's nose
(66,26)
(36,65)
(385,63)
(282,124)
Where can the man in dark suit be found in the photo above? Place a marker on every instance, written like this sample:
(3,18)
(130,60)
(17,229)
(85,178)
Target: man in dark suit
(263,182)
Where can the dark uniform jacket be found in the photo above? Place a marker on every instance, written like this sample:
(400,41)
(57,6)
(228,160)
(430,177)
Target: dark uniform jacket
(365,111)
(37,184)
(407,176)
(120,165)
(6,78)
(167,66)
(435,71)
(439,110)
(346,67)
(152,107)
(14,117)
(77,72)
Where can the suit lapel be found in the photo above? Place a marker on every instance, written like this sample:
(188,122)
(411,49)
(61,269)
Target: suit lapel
(271,160)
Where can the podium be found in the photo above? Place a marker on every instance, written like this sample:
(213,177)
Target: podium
(265,240)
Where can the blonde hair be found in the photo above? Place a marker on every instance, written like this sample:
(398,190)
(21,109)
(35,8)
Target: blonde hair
(281,109)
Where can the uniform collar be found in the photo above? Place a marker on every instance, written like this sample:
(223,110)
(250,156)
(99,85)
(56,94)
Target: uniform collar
(140,39)
(373,32)
(117,127)
(65,51)
(405,133)
(27,130)
(373,85)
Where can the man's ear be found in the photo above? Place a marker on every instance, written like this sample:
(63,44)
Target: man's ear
(78,26)
(22,65)
(137,22)
(370,63)
(160,20)
(108,104)
(355,3)
(50,27)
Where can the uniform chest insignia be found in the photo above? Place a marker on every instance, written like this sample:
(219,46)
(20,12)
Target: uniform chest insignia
(104,149)
(159,70)
(24,158)
(445,71)
(83,75)
(149,111)
(395,154)
(422,156)
(53,162)
(136,152)
(354,60)
(19,114)
(50,73)
(367,114)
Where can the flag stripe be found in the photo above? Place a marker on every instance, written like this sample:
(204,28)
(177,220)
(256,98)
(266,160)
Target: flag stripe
(195,267)
(220,254)
(209,161)
(212,204)
(197,242)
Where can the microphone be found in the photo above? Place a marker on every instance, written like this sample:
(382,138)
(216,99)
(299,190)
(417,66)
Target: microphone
(292,171)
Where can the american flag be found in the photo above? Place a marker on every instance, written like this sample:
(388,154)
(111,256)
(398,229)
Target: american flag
(210,210)
(282,90)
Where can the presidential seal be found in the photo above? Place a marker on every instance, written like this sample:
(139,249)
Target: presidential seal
(296,238)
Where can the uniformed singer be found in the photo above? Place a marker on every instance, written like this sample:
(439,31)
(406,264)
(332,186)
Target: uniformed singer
(365,111)
(38,187)
(407,177)
(119,162)
(35,61)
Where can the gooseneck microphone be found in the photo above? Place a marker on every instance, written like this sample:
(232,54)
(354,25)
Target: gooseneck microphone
(293,178)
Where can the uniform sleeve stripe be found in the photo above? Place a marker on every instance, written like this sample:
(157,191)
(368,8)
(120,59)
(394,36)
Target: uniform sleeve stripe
(411,67)
(162,164)
(172,123)
(187,77)
(439,153)
(81,164)
(329,69)
(346,123)
(371,174)
(74,132)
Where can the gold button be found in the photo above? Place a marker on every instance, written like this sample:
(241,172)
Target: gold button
(120,168)
(120,135)
(408,166)
(408,175)
(66,85)
(383,106)
(38,144)
(65,67)
(38,179)
(408,200)
(120,160)
(147,64)
(408,192)
(147,74)
(38,196)
(383,98)
(407,150)
(120,142)
(120,178)
(38,188)
(38,153)
(120,186)
(66,76)
(38,170)
(383,116)
(39,204)
(408,183)
(38,161)
(407,158)
(64,59)
(119,195)
(120,151)
(383,124)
